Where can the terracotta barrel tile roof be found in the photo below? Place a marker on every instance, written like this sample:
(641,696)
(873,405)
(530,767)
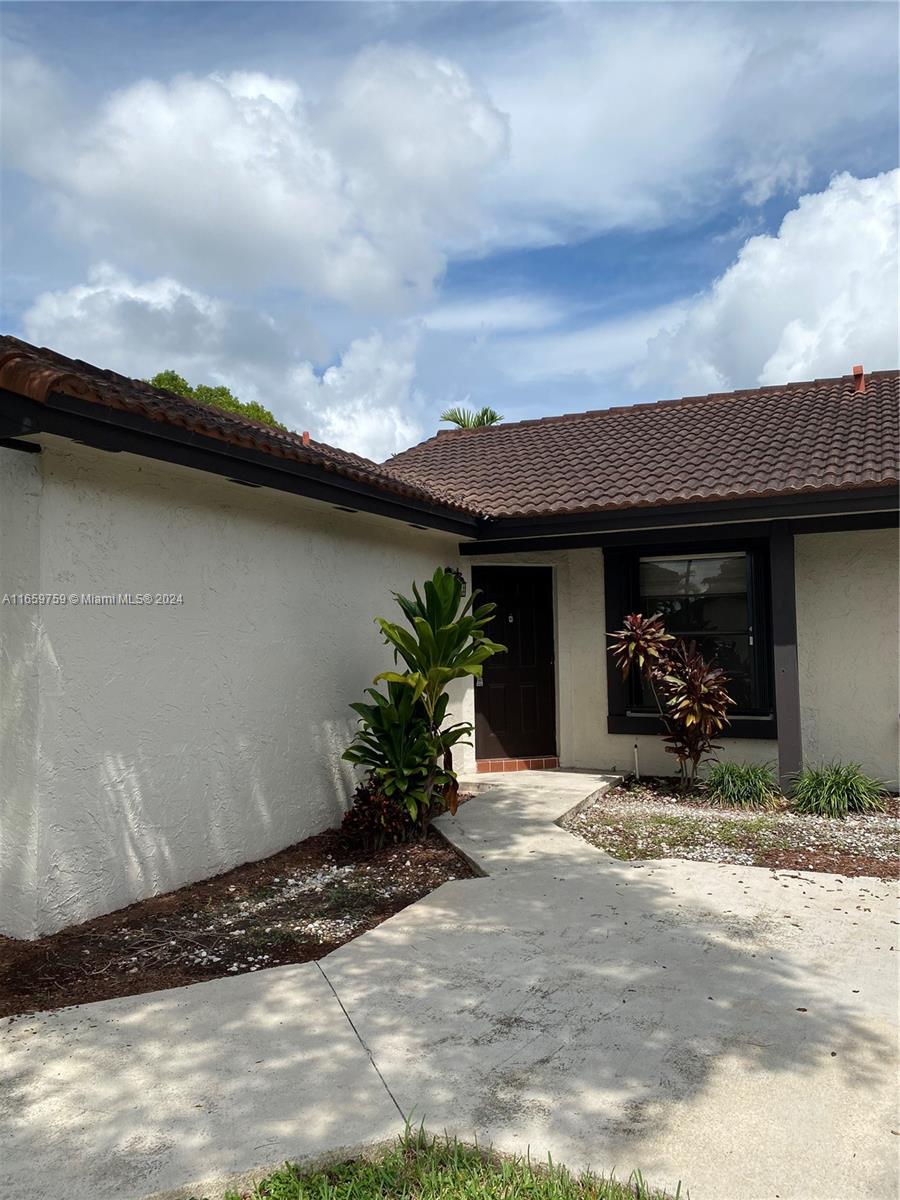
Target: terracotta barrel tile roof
(772,441)
(38,373)
(769,441)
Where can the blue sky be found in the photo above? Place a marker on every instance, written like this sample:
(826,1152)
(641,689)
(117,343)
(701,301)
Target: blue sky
(361,213)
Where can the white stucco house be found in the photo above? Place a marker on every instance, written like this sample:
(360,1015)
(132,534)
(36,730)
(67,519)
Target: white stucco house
(146,745)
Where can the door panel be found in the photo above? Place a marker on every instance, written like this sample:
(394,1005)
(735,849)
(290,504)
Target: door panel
(515,703)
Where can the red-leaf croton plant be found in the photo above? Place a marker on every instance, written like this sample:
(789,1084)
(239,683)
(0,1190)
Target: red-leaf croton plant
(690,693)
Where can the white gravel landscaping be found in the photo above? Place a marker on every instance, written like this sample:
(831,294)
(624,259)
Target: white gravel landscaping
(640,821)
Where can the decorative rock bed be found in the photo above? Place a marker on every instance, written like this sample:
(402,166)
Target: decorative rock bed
(649,820)
(292,907)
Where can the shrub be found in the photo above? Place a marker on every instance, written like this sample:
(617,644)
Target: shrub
(741,785)
(402,738)
(690,693)
(374,820)
(834,789)
(394,746)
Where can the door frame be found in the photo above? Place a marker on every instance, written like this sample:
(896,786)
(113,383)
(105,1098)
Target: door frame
(544,566)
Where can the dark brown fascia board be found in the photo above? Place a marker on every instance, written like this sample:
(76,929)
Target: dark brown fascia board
(117,431)
(11,443)
(806,512)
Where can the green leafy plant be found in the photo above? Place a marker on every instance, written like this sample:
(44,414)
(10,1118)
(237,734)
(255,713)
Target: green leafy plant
(835,789)
(374,821)
(217,397)
(467,418)
(690,693)
(395,745)
(402,738)
(742,785)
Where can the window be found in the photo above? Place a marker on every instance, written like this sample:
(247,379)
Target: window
(717,598)
(706,599)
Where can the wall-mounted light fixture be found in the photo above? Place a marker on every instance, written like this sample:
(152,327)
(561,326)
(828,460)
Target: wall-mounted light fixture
(459,575)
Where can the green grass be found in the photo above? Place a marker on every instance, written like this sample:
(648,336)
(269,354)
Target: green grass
(665,833)
(418,1167)
(835,789)
(741,785)
(673,835)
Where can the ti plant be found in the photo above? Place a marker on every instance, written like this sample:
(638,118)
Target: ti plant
(392,744)
(690,693)
(402,737)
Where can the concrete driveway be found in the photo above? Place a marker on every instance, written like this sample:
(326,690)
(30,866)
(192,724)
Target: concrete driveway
(730,1027)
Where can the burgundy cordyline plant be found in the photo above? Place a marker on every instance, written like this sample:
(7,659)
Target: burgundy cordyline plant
(690,693)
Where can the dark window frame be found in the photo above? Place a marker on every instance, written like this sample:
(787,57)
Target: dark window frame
(621,587)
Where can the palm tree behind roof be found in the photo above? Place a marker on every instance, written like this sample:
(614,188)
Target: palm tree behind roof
(468,418)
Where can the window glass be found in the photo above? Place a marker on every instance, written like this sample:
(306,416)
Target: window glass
(704,599)
(704,576)
(696,595)
(733,654)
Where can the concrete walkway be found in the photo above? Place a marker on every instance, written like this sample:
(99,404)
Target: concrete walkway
(728,1026)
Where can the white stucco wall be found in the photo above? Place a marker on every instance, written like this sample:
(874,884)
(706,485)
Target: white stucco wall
(582,663)
(142,748)
(145,748)
(847,618)
(20,647)
(847,630)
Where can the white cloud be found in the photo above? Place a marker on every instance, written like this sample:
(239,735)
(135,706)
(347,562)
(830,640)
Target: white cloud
(641,115)
(595,352)
(419,135)
(811,300)
(32,113)
(239,178)
(495,314)
(763,179)
(366,403)
(355,182)
(141,328)
(590,118)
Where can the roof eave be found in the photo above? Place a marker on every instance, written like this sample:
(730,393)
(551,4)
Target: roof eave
(113,430)
(880,497)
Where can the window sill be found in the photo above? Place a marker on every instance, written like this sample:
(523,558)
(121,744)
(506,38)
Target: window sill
(740,727)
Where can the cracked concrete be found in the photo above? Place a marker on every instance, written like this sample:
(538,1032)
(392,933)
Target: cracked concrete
(728,1026)
(130,1096)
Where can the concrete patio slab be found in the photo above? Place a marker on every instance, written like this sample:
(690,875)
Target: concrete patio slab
(731,1027)
(114,1100)
(728,1026)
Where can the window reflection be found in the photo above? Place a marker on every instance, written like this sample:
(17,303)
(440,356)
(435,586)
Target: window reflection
(705,599)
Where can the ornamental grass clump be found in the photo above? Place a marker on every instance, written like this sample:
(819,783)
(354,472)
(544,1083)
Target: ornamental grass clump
(836,789)
(742,785)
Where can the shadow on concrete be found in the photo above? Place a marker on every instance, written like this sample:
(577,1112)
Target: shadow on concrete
(698,1021)
(131,1096)
(718,1025)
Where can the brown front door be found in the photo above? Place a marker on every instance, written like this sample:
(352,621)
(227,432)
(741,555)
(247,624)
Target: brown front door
(515,701)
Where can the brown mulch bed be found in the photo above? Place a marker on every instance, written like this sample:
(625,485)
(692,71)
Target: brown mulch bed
(293,907)
(650,820)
